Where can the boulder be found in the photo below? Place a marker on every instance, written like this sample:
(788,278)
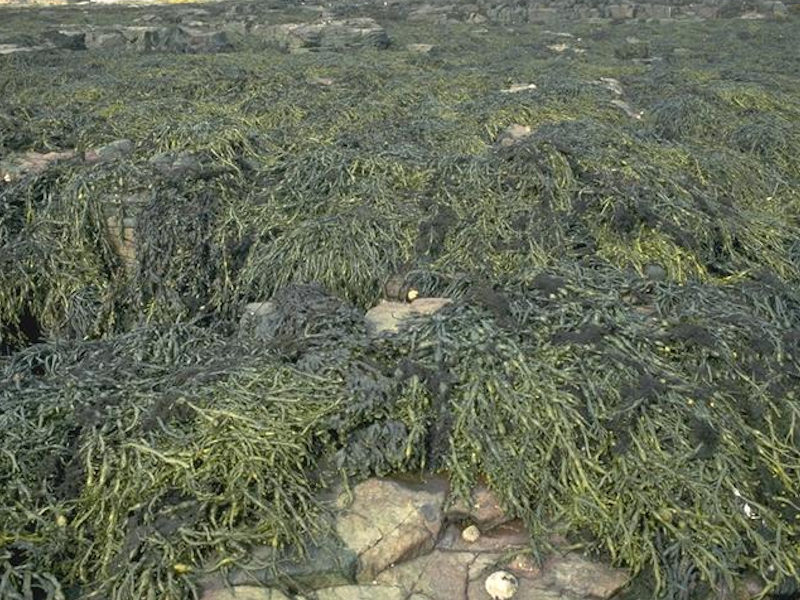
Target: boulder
(112,151)
(327,35)
(388,522)
(66,39)
(180,39)
(387,316)
(483,509)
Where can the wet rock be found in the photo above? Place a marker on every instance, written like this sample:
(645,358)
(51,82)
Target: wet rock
(180,39)
(327,564)
(505,537)
(621,11)
(654,11)
(253,315)
(327,35)
(177,165)
(420,48)
(366,592)
(626,108)
(573,574)
(15,48)
(387,316)
(439,574)
(513,134)
(115,150)
(30,163)
(519,87)
(66,39)
(483,509)
(387,523)
(247,592)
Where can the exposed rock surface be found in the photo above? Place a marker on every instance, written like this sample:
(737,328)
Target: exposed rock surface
(387,523)
(17,166)
(326,35)
(243,592)
(387,316)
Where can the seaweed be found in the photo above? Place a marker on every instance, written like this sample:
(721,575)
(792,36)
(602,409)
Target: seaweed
(621,355)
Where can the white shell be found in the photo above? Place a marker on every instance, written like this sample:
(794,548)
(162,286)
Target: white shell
(501,585)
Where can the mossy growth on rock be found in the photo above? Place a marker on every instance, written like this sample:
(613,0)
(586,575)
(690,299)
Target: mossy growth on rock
(622,352)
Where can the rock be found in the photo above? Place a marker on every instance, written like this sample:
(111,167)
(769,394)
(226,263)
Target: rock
(328,35)
(246,592)
(505,537)
(180,38)
(121,218)
(441,574)
(654,11)
(501,585)
(327,564)
(578,576)
(626,108)
(632,48)
(779,10)
(541,15)
(621,11)
(430,13)
(387,523)
(66,39)
(655,272)
(30,163)
(387,316)
(519,87)
(110,152)
(483,509)
(420,48)
(14,48)
(611,84)
(366,592)
(513,134)
(471,534)
(253,315)
(177,165)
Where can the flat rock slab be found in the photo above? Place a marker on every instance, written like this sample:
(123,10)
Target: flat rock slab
(243,592)
(17,166)
(365,592)
(386,317)
(387,523)
(440,574)
(507,536)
